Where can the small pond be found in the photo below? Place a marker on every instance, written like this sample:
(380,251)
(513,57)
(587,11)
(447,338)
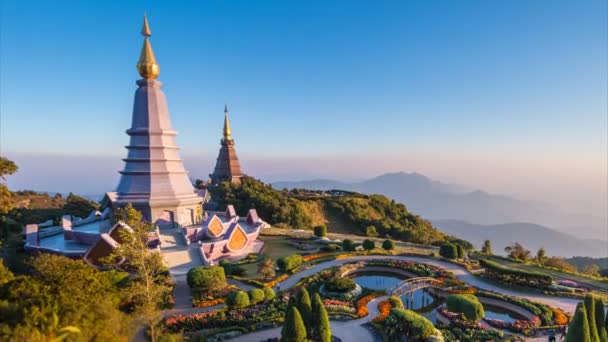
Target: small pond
(502,314)
(386,280)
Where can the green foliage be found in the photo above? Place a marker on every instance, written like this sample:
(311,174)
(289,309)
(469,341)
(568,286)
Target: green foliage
(387,216)
(408,322)
(332,247)
(541,256)
(78,206)
(293,329)
(290,262)
(460,251)
(273,206)
(368,245)
(348,245)
(207,278)
(395,302)
(590,311)
(600,318)
(487,248)
(304,306)
(578,329)
(256,296)
(560,264)
(388,245)
(237,300)
(320,231)
(268,293)
(515,276)
(339,284)
(448,250)
(466,304)
(232,269)
(371,231)
(7,168)
(517,251)
(321,329)
(464,243)
(266,269)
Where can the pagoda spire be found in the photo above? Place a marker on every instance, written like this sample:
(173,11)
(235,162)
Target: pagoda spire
(147,66)
(227,131)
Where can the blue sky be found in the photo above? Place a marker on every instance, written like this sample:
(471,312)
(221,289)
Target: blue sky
(490,82)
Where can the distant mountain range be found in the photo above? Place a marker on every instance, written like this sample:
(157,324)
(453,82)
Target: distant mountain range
(532,236)
(441,202)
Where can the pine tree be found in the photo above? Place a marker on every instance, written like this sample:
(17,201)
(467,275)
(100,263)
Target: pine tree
(487,247)
(599,319)
(320,328)
(578,330)
(304,306)
(590,309)
(293,329)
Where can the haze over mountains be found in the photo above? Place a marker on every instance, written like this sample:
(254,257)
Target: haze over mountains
(468,213)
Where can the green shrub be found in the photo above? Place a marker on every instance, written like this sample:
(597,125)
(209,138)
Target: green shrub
(578,329)
(237,300)
(338,284)
(290,262)
(206,278)
(466,304)
(320,231)
(460,251)
(304,306)
(256,296)
(293,329)
(515,276)
(330,248)
(371,231)
(448,250)
(268,293)
(590,310)
(368,245)
(409,323)
(395,302)
(388,245)
(232,269)
(320,327)
(348,245)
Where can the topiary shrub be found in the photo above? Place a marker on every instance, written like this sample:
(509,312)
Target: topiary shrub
(330,248)
(206,278)
(289,262)
(320,231)
(368,245)
(338,284)
(466,304)
(409,323)
(388,245)
(293,329)
(268,293)
(448,250)
(232,269)
(395,302)
(578,329)
(256,296)
(371,231)
(348,245)
(237,300)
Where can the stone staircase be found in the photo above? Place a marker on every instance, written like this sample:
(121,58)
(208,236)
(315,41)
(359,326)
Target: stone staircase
(178,256)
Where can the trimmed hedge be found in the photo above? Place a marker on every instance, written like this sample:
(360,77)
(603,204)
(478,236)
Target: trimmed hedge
(237,300)
(206,278)
(320,231)
(368,244)
(337,284)
(509,275)
(290,262)
(348,245)
(448,250)
(268,293)
(466,304)
(256,296)
(332,247)
(409,323)
(388,245)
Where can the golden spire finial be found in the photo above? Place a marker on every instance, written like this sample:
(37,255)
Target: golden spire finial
(227,132)
(147,66)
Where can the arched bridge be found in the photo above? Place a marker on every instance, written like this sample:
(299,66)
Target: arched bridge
(413,284)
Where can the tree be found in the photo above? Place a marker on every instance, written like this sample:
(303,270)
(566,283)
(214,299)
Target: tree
(460,251)
(238,300)
(7,168)
(266,269)
(592,270)
(600,317)
(578,329)
(348,245)
(304,306)
(206,278)
(149,288)
(560,264)
(320,231)
(517,251)
(321,329)
(448,250)
(293,329)
(541,256)
(388,245)
(590,311)
(487,248)
(78,206)
(368,245)
(371,231)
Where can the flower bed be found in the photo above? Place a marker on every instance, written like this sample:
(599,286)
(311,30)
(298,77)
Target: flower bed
(522,326)
(207,303)
(361,304)
(276,280)
(385,309)
(310,257)
(544,312)
(457,319)
(559,317)
(423,270)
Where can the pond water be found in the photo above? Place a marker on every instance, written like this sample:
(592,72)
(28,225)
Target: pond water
(499,313)
(386,280)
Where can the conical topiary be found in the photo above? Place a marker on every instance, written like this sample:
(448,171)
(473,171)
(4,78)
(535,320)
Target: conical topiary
(578,329)
(304,306)
(293,329)
(320,328)
(590,309)
(600,318)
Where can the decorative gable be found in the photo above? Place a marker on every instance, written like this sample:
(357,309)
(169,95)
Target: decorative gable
(215,226)
(252,217)
(237,239)
(230,212)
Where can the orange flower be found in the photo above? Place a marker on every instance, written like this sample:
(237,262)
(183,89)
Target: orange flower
(208,303)
(385,309)
(315,256)
(276,280)
(559,318)
(361,304)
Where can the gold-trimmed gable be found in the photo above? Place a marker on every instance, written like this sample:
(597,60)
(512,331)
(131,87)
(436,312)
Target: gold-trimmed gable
(238,239)
(215,226)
